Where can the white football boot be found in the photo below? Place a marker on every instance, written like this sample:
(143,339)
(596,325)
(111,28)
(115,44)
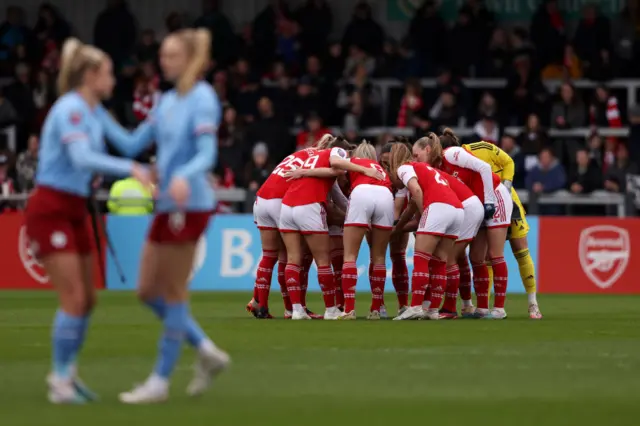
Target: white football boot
(63,391)
(332,313)
(348,316)
(411,313)
(211,362)
(153,391)
(432,314)
(300,315)
(534,311)
(497,314)
(374,316)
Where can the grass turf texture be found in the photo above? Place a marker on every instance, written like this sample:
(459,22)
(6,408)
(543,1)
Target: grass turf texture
(578,366)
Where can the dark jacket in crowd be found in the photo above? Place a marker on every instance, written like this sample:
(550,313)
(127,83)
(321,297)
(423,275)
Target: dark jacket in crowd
(589,178)
(115,32)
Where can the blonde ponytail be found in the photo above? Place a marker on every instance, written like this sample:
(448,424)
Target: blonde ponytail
(433,142)
(76,58)
(365,150)
(198,44)
(324,141)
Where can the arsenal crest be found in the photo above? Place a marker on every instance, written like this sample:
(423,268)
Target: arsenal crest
(604,253)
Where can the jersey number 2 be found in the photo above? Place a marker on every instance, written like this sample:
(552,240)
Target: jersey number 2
(438,177)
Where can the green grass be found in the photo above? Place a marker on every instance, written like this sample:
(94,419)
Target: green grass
(578,366)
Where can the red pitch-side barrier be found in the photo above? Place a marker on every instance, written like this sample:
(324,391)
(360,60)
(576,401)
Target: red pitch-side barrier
(18,268)
(589,255)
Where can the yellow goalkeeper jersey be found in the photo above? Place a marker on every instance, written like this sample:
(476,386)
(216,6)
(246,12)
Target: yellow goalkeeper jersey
(501,163)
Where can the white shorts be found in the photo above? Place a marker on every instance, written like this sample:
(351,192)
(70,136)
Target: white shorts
(473,218)
(370,205)
(442,220)
(266,213)
(307,219)
(504,207)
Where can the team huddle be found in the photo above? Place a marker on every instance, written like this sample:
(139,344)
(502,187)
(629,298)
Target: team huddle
(319,204)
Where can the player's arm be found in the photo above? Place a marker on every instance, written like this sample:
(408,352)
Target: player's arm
(408,176)
(205,126)
(320,172)
(505,162)
(338,198)
(460,157)
(398,203)
(339,160)
(129,144)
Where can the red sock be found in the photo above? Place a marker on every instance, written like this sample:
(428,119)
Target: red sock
(307,260)
(255,293)
(377,282)
(400,277)
(465,280)
(337,257)
(438,280)
(325,279)
(481,284)
(500,276)
(349,281)
(263,276)
(292,277)
(451,295)
(420,277)
(283,286)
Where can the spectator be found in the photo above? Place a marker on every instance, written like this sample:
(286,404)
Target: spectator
(358,57)
(446,112)
(368,97)
(363,31)
(569,68)
(44,94)
(287,45)
(306,101)
(487,130)
(527,93)
(7,187)
(264,31)
(634,134)
(315,21)
(359,115)
(51,26)
(313,72)
(410,103)
(610,154)
(51,59)
(224,41)
(232,152)
(247,47)
(498,58)
(223,178)
(545,178)
(592,36)
(245,84)
(595,149)
(314,131)
(8,114)
(220,85)
(259,169)
(548,32)
(422,123)
(482,18)
(116,43)
(428,36)
(389,63)
(147,50)
(335,62)
(585,177)
(270,130)
(604,110)
(533,137)
(465,45)
(568,112)
(27,164)
(616,176)
(488,106)
(20,95)
(510,147)
(146,93)
(625,40)
(13,33)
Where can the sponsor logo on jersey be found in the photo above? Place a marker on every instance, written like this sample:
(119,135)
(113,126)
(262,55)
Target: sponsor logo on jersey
(604,252)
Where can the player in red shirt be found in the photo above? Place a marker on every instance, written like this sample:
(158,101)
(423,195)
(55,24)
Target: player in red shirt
(266,215)
(457,263)
(491,238)
(303,217)
(370,206)
(441,218)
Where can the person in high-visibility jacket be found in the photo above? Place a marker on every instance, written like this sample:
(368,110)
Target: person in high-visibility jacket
(129,197)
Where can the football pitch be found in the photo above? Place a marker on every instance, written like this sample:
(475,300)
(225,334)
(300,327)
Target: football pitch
(580,365)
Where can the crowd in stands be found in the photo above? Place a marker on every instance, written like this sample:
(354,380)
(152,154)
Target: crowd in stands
(284,81)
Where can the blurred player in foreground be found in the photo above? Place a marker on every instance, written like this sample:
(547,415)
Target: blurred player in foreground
(184,126)
(72,151)
(502,165)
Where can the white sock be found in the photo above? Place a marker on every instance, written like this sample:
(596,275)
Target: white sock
(533,300)
(467,303)
(298,308)
(157,381)
(206,347)
(426,304)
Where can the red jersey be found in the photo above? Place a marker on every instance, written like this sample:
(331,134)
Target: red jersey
(461,190)
(359,179)
(276,184)
(435,189)
(472,171)
(309,190)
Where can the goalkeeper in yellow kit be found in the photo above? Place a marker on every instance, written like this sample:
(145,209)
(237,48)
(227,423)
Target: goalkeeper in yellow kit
(502,165)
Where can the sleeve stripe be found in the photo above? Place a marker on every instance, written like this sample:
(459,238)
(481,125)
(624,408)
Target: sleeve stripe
(72,137)
(205,128)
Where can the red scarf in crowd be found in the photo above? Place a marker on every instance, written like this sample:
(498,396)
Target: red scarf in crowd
(405,108)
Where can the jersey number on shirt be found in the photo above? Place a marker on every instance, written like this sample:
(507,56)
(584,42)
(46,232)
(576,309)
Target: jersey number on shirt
(438,177)
(380,169)
(311,162)
(288,164)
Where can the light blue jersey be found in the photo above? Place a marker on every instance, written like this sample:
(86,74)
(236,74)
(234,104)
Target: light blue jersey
(184,129)
(72,147)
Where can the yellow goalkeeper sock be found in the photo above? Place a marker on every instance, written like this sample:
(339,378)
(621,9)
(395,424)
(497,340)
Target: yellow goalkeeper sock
(527,273)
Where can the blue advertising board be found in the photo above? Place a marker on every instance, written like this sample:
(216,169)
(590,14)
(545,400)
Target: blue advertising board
(229,252)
